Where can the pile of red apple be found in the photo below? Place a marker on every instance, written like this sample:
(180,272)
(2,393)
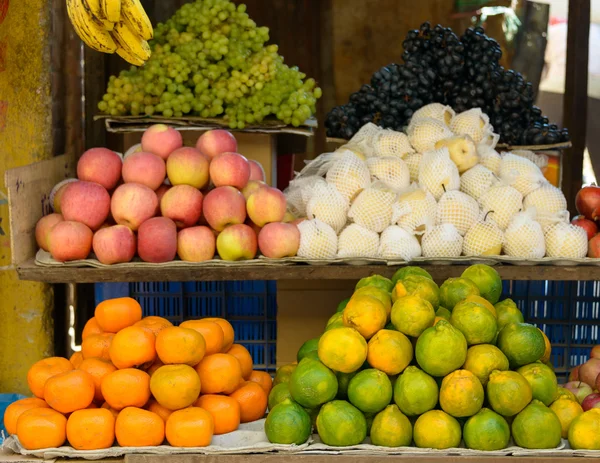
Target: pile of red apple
(584,381)
(165,200)
(587,203)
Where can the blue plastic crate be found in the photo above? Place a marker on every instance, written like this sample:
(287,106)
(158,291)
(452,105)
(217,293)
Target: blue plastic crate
(250,307)
(567,311)
(5,401)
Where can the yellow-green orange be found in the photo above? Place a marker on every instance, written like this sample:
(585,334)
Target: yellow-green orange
(562,393)
(342,349)
(408,271)
(484,302)
(377,281)
(482,359)
(584,432)
(284,373)
(342,305)
(508,312)
(389,351)
(312,383)
(384,297)
(370,390)
(415,392)
(441,349)
(437,430)
(335,321)
(423,287)
(454,290)
(343,381)
(487,280)
(522,344)
(278,394)
(542,380)
(508,392)
(306,348)
(366,314)
(548,351)
(486,430)
(536,427)
(444,313)
(341,424)
(288,423)
(398,291)
(475,322)
(391,428)
(412,315)
(566,410)
(461,394)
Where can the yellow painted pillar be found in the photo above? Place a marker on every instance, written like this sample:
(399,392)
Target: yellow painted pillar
(26,327)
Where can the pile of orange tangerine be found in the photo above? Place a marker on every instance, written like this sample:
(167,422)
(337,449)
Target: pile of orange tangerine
(139,381)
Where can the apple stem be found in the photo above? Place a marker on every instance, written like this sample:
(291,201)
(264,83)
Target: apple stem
(444,187)
(486,215)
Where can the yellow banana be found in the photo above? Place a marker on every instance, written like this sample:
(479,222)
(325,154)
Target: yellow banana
(111,9)
(131,59)
(93,6)
(137,19)
(131,42)
(88,29)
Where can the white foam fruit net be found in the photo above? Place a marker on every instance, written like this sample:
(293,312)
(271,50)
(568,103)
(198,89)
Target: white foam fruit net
(397,243)
(390,170)
(357,241)
(489,157)
(566,240)
(462,151)
(550,204)
(477,180)
(317,240)
(540,160)
(349,175)
(392,143)
(484,238)
(442,241)
(436,111)
(415,210)
(413,162)
(328,205)
(424,133)
(502,202)
(524,237)
(473,122)
(459,209)
(372,208)
(299,191)
(437,173)
(365,138)
(521,173)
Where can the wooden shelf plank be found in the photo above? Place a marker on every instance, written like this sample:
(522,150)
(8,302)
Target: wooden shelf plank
(30,271)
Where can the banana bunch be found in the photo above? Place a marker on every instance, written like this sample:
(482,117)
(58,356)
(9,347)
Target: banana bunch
(110,26)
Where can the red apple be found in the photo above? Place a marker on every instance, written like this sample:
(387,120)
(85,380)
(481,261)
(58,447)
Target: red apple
(161,140)
(591,401)
(113,245)
(230,169)
(595,352)
(196,244)
(144,168)
(256,171)
(237,242)
(182,204)
(594,247)
(597,383)
(580,389)
(69,240)
(277,240)
(215,142)
(43,227)
(587,201)
(57,193)
(589,371)
(224,206)
(132,204)
(85,202)
(157,240)
(100,165)
(574,374)
(589,226)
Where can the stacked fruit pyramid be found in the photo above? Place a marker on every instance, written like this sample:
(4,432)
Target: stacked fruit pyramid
(139,380)
(165,200)
(411,363)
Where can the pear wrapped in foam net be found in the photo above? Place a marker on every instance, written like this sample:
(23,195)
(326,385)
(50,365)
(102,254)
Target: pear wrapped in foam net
(357,241)
(328,205)
(477,180)
(317,240)
(503,202)
(413,162)
(484,238)
(436,111)
(459,209)
(397,243)
(521,173)
(391,171)
(365,138)
(540,160)
(442,241)
(415,210)
(424,133)
(392,143)
(489,158)
(549,203)
(566,240)
(437,173)
(299,192)
(372,208)
(474,123)
(462,151)
(524,237)
(349,175)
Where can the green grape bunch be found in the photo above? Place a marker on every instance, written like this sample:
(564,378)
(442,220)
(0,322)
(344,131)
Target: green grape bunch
(211,60)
